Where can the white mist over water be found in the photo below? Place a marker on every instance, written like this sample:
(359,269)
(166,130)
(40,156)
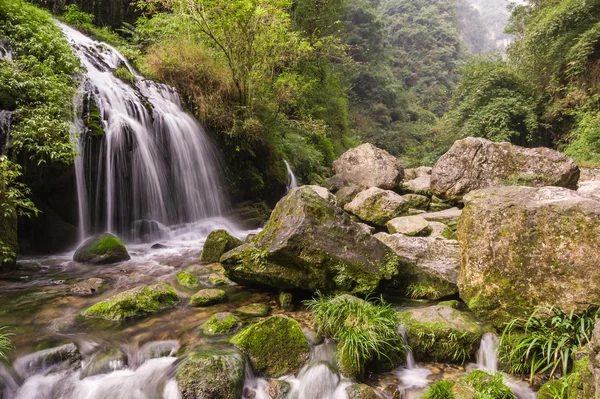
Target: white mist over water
(291,180)
(153,165)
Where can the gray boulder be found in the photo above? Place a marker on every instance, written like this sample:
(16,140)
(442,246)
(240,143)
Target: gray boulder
(409,226)
(378,206)
(369,166)
(475,163)
(311,244)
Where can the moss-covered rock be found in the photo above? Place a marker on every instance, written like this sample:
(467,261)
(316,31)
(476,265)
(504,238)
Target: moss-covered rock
(286,300)
(220,323)
(524,247)
(441,333)
(207,297)
(254,310)
(101,249)
(218,279)
(361,391)
(61,358)
(453,303)
(135,302)
(188,280)
(217,243)
(279,389)
(275,346)
(212,374)
(378,206)
(310,244)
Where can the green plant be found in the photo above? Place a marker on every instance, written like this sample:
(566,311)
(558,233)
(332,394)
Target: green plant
(422,291)
(363,329)
(440,390)
(6,344)
(545,341)
(481,385)
(452,345)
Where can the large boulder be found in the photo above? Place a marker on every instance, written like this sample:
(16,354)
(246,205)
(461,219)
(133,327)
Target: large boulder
(441,333)
(369,166)
(47,361)
(101,249)
(524,247)
(275,346)
(135,302)
(428,266)
(475,163)
(311,244)
(409,226)
(212,374)
(378,206)
(217,243)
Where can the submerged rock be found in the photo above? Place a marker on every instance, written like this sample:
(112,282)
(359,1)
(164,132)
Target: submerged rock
(61,358)
(378,206)
(212,374)
(475,163)
(524,247)
(369,166)
(87,287)
(188,280)
(135,302)
(217,243)
(220,323)
(428,267)
(254,310)
(101,249)
(207,297)
(275,346)
(441,333)
(310,244)
(104,361)
(218,279)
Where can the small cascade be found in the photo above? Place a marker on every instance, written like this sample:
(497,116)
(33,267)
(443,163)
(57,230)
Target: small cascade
(5,119)
(5,50)
(153,164)
(411,375)
(487,357)
(291,180)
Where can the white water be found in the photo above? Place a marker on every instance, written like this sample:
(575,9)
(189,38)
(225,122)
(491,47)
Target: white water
(5,119)
(411,375)
(154,165)
(292,182)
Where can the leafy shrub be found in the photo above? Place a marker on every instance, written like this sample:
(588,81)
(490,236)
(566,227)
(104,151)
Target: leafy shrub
(363,330)
(545,341)
(440,390)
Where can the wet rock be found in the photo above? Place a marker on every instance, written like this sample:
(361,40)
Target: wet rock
(275,346)
(87,287)
(207,297)
(279,389)
(104,362)
(310,244)
(156,349)
(254,310)
(159,246)
(369,166)
(361,391)
(426,264)
(441,333)
(525,247)
(135,302)
(188,280)
(409,226)
(475,163)
(218,279)
(217,243)
(335,183)
(147,231)
(377,206)
(101,249)
(61,358)
(212,374)
(220,323)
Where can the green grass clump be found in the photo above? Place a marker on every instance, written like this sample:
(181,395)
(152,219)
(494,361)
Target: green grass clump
(477,385)
(124,74)
(545,341)
(443,389)
(364,330)
(422,291)
(6,344)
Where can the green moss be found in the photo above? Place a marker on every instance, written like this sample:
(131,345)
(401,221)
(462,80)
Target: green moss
(220,323)
(136,302)
(254,310)
(101,249)
(207,297)
(217,243)
(124,74)
(92,120)
(484,384)
(275,346)
(218,279)
(286,300)
(452,303)
(188,280)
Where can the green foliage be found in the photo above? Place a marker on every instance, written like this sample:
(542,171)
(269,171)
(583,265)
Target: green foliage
(545,341)
(124,74)
(6,344)
(421,291)
(585,138)
(364,330)
(476,385)
(440,390)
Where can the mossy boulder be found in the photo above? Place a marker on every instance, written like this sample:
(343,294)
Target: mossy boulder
(377,206)
(220,323)
(279,389)
(361,391)
(101,249)
(217,243)
(135,302)
(524,247)
(475,163)
(441,333)
(218,279)
(275,346)
(310,244)
(254,310)
(188,280)
(207,297)
(212,374)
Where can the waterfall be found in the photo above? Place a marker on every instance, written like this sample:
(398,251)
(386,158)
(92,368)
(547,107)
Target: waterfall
(412,376)
(487,358)
(153,166)
(291,180)
(5,50)
(5,118)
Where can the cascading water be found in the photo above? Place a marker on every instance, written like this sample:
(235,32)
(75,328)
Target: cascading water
(5,119)
(411,375)
(291,181)
(154,166)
